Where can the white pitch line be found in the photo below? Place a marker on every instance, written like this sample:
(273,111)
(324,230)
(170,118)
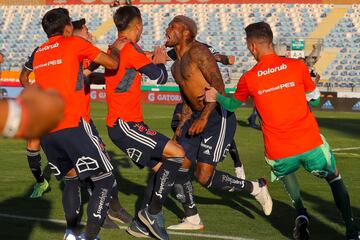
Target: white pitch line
(125,227)
(347,154)
(344,149)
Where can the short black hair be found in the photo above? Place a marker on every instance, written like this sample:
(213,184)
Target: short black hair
(124,15)
(78,24)
(55,20)
(260,31)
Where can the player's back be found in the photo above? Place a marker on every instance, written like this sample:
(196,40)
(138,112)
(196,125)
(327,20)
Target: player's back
(57,66)
(278,87)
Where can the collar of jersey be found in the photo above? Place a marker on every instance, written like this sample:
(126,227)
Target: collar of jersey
(268,56)
(54,38)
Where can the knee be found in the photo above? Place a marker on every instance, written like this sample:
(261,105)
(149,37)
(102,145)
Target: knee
(202,176)
(173,149)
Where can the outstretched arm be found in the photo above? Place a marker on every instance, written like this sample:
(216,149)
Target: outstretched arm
(229,103)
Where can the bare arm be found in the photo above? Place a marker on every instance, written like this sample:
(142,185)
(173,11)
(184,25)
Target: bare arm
(184,116)
(206,63)
(111,60)
(226,60)
(24,77)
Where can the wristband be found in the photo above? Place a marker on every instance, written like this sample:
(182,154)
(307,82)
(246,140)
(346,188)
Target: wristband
(13,119)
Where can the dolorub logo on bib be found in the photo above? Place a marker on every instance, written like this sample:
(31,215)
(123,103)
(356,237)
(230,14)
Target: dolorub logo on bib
(271,70)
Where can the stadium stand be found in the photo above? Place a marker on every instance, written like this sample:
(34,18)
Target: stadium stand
(220,25)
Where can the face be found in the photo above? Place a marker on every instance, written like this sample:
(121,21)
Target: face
(85,33)
(174,34)
(139,28)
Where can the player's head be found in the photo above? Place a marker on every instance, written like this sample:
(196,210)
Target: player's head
(180,29)
(81,30)
(128,22)
(57,22)
(259,38)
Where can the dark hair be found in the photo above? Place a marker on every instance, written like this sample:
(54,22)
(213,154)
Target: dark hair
(55,20)
(124,15)
(260,31)
(78,24)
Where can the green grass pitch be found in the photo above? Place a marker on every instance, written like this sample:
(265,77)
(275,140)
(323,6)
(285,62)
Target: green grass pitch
(232,215)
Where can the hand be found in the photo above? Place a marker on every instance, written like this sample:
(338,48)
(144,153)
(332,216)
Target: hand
(198,126)
(149,54)
(160,55)
(119,43)
(86,72)
(210,94)
(44,110)
(231,59)
(177,133)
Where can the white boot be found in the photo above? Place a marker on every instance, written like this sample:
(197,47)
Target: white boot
(240,172)
(263,196)
(189,223)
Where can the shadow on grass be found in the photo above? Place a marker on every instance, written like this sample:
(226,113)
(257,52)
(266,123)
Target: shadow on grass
(23,206)
(350,127)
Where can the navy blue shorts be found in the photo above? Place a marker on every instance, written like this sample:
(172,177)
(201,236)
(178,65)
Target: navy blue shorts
(80,148)
(212,145)
(138,141)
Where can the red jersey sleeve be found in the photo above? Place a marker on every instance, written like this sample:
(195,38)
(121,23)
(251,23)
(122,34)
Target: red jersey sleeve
(85,49)
(309,84)
(242,91)
(136,56)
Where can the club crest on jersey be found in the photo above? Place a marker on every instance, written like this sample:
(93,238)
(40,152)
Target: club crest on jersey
(134,154)
(84,164)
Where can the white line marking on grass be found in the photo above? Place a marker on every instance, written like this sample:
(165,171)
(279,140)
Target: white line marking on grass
(125,227)
(344,149)
(347,154)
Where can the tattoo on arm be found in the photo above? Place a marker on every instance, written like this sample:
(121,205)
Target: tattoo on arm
(222,59)
(206,63)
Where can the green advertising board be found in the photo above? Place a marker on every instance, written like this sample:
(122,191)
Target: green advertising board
(297,44)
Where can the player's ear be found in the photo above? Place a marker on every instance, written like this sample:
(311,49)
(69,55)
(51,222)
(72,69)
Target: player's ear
(68,30)
(187,34)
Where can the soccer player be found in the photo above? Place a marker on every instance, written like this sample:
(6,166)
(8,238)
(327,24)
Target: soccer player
(281,89)
(125,120)
(72,148)
(33,113)
(183,188)
(33,145)
(205,130)
(116,211)
(225,60)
